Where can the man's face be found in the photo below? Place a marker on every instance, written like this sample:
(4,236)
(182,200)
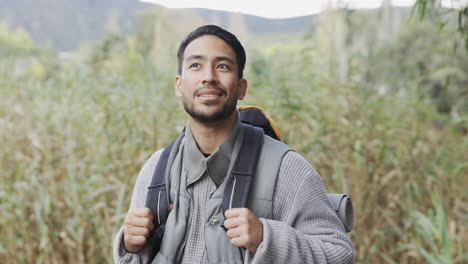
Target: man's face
(209,85)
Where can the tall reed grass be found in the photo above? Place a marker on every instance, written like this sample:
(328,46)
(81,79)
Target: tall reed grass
(72,145)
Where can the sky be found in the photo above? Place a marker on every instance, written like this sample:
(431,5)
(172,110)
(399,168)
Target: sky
(289,8)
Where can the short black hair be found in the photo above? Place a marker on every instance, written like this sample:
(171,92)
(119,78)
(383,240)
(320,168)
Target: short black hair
(221,33)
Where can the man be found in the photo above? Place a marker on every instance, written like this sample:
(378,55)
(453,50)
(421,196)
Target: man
(296,224)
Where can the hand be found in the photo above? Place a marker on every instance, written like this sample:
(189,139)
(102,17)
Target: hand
(137,227)
(244,228)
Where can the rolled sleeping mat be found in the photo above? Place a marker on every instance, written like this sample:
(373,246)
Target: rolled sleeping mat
(344,209)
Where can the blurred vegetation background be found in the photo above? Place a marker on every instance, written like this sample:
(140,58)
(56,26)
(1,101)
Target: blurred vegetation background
(376,100)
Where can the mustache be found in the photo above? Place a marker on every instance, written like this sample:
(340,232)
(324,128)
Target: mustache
(221,90)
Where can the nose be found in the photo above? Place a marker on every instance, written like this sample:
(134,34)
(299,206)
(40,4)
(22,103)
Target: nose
(209,76)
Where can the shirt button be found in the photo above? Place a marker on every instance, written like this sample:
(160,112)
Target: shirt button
(214,222)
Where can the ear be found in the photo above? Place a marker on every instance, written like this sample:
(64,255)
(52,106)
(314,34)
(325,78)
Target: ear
(242,89)
(178,82)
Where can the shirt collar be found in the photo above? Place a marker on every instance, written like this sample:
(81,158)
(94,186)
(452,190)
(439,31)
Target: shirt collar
(217,164)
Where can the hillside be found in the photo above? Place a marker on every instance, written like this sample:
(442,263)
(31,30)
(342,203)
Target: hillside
(66,24)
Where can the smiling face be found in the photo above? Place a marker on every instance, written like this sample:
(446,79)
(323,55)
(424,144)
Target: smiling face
(209,85)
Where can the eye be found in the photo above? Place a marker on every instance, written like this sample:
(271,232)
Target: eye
(223,67)
(194,65)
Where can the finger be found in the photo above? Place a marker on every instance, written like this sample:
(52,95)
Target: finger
(232,223)
(142,212)
(236,221)
(139,222)
(235,212)
(135,240)
(238,242)
(138,231)
(171,206)
(234,232)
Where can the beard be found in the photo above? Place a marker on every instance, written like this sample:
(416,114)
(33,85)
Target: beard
(223,113)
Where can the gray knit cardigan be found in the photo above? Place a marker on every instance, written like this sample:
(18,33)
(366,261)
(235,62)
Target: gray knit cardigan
(304,228)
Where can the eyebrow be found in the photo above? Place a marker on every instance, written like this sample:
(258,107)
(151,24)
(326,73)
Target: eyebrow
(218,58)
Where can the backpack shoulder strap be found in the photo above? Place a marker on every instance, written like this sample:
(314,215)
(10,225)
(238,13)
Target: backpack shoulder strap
(238,184)
(157,197)
(236,192)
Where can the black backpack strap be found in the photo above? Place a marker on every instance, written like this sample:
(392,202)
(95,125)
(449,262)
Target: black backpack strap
(236,192)
(157,197)
(237,187)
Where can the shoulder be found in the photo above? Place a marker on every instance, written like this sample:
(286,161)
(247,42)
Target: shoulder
(147,171)
(289,159)
(275,146)
(144,180)
(296,171)
(151,163)
(297,184)
(293,160)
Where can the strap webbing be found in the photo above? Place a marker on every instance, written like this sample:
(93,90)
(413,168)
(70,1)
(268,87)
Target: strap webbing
(156,199)
(236,192)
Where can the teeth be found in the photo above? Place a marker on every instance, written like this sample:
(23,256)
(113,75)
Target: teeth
(208,95)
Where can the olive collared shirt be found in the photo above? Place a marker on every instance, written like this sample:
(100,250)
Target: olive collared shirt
(204,175)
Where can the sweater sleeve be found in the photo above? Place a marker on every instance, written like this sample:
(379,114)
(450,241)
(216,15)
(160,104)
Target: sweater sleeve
(120,254)
(305,227)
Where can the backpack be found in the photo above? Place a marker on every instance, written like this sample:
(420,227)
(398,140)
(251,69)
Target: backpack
(256,123)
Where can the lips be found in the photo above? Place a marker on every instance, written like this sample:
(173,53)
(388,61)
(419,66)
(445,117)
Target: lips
(209,93)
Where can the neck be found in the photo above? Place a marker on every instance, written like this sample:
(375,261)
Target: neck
(210,135)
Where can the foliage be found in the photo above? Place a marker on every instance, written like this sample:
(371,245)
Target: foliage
(429,8)
(353,102)
(14,44)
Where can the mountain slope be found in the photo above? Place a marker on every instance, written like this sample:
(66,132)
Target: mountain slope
(65,24)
